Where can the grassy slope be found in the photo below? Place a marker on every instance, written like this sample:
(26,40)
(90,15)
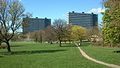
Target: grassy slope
(32,55)
(103,53)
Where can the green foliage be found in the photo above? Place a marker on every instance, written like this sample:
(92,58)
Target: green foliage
(111,22)
(78,33)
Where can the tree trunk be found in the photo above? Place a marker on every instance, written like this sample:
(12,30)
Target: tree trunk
(80,42)
(8,46)
(60,43)
(36,39)
(51,42)
(0,42)
(111,44)
(69,41)
(40,39)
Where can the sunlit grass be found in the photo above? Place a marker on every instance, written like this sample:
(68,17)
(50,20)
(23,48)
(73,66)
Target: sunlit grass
(36,55)
(105,54)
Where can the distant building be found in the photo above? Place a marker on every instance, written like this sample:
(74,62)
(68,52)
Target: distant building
(83,19)
(35,24)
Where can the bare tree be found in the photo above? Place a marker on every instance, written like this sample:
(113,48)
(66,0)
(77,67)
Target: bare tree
(49,35)
(68,33)
(40,36)
(59,27)
(11,13)
(94,35)
(93,32)
(37,36)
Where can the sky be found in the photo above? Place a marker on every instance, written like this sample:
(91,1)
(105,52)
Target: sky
(56,9)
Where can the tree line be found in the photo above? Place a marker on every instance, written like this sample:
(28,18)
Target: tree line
(59,32)
(12,13)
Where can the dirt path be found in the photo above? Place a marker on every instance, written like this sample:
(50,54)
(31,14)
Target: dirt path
(96,61)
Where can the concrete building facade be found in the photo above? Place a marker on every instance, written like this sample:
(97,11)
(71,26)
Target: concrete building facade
(35,24)
(83,19)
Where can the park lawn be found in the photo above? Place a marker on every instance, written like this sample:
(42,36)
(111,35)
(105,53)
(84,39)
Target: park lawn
(105,54)
(36,55)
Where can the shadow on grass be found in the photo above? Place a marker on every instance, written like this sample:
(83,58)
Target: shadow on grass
(84,44)
(73,45)
(116,51)
(17,45)
(69,46)
(1,56)
(31,52)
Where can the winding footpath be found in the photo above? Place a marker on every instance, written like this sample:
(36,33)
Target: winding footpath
(96,61)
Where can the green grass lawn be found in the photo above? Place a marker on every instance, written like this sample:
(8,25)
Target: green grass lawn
(36,55)
(105,54)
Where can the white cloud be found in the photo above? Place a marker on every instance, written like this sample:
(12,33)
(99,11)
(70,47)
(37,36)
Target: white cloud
(96,10)
(19,0)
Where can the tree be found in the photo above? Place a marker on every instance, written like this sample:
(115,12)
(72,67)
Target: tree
(68,33)
(34,36)
(78,33)
(111,22)
(11,13)
(93,32)
(49,35)
(22,37)
(59,27)
(26,19)
(94,35)
(15,37)
(40,36)
(37,36)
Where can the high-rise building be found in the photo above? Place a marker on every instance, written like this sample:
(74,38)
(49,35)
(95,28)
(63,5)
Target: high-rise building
(83,19)
(35,24)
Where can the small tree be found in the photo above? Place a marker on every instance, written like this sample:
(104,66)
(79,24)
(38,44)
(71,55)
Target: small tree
(37,36)
(34,36)
(49,35)
(94,35)
(40,36)
(22,37)
(59,27)
(78,33)
(11,13)
(93,32)
(68,33)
